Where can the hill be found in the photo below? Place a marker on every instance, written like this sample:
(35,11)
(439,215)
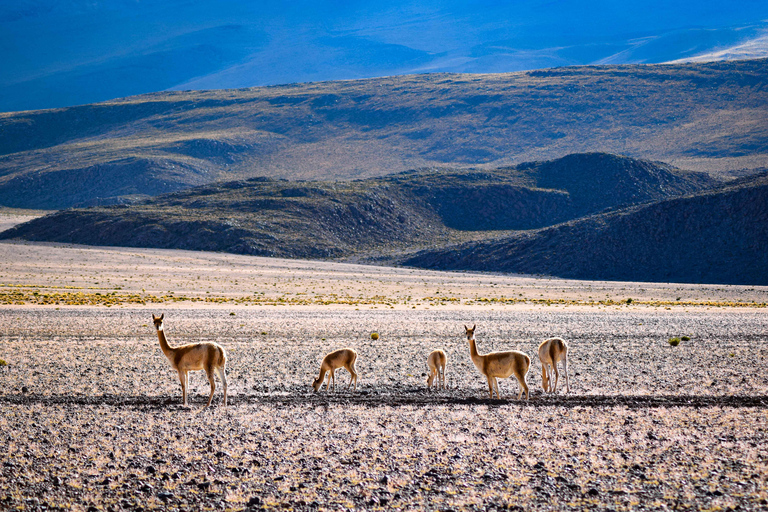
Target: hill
(86,51)
(375,216)
(716,236)
(704,116)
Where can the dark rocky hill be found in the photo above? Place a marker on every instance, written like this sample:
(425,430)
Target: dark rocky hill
(711,116)
(716,236)
(375,216)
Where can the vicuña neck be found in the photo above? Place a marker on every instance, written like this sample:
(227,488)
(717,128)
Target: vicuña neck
(473,348)
(163,342)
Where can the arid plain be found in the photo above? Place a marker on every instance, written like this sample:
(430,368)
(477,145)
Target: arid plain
(92,417)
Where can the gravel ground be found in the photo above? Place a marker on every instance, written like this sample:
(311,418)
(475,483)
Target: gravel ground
(91,415)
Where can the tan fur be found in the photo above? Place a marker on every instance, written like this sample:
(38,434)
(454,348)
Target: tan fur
(210,357)
(552,351)
(342,358)
(499,365)
(436,363)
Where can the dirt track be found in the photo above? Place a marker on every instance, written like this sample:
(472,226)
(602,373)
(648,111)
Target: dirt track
(91,415)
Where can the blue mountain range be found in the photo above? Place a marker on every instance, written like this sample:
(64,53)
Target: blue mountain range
(57,53)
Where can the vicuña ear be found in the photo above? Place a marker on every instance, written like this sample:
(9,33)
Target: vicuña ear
(162,315)
(473,327)
(154,317)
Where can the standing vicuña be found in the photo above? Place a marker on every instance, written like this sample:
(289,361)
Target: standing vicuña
(436,363)
(499,365)
(550,352)
(342,358)
(210,357)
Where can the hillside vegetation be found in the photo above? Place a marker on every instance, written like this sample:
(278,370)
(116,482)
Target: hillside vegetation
(711,117)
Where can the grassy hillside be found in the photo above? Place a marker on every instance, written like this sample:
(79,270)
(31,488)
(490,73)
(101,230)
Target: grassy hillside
(710,116)
(368,218)
(717,236)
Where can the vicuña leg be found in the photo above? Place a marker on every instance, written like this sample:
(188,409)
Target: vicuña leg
(352,375)
(491,386)
(223,376)
(183,380)
(565,371)
(523,386)
(557,377)
(212,380)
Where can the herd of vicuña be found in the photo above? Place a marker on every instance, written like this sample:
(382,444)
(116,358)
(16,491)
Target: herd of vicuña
(212,358)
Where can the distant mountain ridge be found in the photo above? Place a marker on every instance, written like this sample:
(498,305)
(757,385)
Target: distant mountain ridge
(458,219)
(711,116)
(84,51)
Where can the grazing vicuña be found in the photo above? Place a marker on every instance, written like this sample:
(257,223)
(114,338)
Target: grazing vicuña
(550,352)
(342,358)
(436,362)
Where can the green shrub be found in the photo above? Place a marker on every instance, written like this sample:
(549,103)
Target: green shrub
(685,338)
(674,341)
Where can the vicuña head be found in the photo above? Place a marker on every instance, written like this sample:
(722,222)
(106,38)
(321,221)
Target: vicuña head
(342,358)
(208,356)
(499,365)
(550,352)
(436,362)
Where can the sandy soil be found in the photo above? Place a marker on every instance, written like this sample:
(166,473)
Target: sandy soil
(188,274)
(92,418)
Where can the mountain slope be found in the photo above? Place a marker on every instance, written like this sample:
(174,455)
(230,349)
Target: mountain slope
(717,236)
(698,116)
(378,215)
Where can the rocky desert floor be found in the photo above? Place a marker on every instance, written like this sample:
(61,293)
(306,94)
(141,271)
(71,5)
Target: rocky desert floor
(91,415)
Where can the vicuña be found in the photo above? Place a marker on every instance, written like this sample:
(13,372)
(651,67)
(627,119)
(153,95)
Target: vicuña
(550,352)
(210,357)
(499,365)
(436,363)
(342,358)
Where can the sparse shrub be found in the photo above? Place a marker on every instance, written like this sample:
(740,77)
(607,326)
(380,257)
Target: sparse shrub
(685,338)
(3,363)
(629,301)
(232,314)
(674,341)
(374,336)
